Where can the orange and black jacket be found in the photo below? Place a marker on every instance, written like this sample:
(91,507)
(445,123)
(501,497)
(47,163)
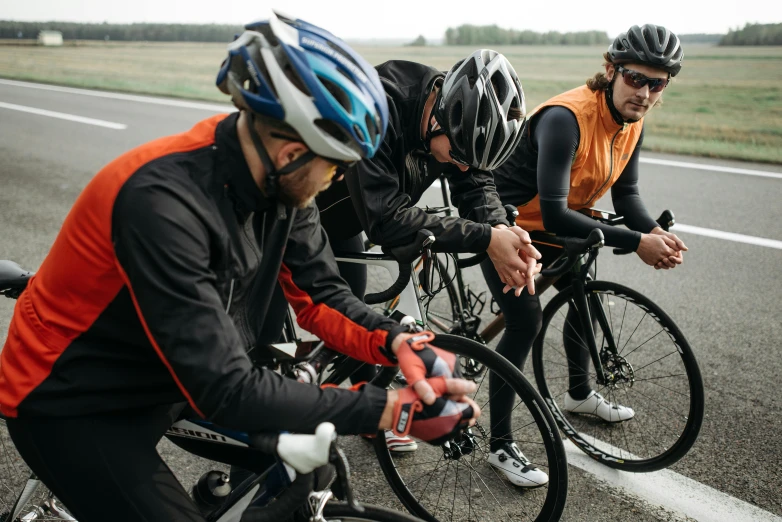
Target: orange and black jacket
(574,151)
(156,283)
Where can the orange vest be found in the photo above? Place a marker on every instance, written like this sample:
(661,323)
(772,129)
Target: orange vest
(604,149)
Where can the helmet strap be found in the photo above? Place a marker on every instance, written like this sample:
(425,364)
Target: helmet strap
(431,132)
(610,102)
(272,174)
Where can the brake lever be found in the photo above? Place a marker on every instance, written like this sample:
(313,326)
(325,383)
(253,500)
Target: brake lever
(340,462)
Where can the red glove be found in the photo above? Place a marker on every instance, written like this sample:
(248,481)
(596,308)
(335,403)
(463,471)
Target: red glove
(434,424)
(418,359)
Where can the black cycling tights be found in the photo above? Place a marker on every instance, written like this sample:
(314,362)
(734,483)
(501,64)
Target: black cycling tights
(523,321)
(106,467)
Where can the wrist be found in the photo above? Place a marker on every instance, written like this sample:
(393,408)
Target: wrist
(387,418)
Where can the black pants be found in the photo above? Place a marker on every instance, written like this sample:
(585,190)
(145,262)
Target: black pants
(106,467)
(523,321)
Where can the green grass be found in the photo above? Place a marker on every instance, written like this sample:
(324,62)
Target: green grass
(726,103)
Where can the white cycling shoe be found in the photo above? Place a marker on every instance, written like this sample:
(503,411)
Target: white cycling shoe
(516,468)
(595,404)
(395,443)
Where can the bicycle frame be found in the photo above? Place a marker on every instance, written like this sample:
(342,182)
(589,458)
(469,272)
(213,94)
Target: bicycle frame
(409,298)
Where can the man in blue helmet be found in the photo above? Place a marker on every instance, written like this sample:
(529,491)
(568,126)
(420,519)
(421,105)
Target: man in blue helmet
(149,296)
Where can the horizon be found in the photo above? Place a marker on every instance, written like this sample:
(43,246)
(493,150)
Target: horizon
(405,20)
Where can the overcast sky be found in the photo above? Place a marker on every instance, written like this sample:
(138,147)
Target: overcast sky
(353,19)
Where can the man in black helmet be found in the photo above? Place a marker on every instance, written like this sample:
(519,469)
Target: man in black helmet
(462,125)
(576,147)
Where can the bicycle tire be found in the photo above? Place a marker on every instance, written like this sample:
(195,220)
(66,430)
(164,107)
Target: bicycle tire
(343,512)
(545,503)
(642,380)
(20,490)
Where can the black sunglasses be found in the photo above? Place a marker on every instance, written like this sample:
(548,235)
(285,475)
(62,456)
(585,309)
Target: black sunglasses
(458,158)
(342,166)
(637,80)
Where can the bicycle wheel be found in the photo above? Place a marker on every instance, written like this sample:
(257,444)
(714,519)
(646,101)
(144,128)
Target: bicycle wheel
(652,370)
(343,512)
(22,495)
(455,482)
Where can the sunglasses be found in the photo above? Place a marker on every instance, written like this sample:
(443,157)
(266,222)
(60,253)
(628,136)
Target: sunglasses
(339,168)
(637,80)
(456,157)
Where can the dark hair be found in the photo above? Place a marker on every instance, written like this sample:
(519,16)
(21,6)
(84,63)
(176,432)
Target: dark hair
(599,82)
(514,113)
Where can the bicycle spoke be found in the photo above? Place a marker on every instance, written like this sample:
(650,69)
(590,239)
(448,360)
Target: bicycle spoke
(442,486)
(649,379)
(655,361)
(621,351)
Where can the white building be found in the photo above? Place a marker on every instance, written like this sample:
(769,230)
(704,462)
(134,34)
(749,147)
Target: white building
(50,38)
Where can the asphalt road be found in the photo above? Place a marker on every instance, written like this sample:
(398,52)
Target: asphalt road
(726,297)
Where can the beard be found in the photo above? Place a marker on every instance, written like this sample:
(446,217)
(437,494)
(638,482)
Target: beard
(298,189)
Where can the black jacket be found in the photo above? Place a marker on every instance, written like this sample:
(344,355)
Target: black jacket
(379,194)
(160,279)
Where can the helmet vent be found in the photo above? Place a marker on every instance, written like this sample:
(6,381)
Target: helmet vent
(293,76)
(333,130)
(500,85)
(338,94)
(266,31)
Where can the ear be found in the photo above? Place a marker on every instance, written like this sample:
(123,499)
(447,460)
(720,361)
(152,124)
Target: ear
(290,151)
(610,71)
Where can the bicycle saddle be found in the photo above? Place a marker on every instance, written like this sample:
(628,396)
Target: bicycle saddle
(12,275)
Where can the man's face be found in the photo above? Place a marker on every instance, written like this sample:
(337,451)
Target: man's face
(441,150)
(634,102)
(300,187)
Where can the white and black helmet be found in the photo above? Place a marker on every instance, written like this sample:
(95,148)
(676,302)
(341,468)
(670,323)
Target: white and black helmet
(652,45)
(481,108)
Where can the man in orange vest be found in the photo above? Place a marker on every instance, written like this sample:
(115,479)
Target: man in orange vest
(577,145)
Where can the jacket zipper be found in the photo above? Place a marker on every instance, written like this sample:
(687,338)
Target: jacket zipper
(611,170)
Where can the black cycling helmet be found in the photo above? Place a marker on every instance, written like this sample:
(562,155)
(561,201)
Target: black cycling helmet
(476,107)
(652,45)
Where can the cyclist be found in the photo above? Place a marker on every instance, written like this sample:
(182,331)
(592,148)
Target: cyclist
(578,145)
(141,306)
(463,125)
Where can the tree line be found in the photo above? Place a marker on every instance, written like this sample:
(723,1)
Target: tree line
(123,32)
(754,34)
(494,35)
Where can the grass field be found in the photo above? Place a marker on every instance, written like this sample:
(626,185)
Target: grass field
(726,103)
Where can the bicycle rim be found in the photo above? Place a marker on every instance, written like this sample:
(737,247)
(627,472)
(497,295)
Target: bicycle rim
(21,493)
(435,485)
(652,370)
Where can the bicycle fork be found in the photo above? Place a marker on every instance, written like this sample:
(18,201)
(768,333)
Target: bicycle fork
(590,309)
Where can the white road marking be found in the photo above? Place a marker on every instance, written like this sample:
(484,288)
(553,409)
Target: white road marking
(211,107)
(713,168)
(63,116)
(728,236)
(673,492)
(700,231)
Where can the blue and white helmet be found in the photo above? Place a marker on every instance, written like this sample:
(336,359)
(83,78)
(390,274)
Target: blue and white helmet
(293,71)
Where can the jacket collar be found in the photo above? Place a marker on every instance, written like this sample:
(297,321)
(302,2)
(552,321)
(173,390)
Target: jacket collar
(233,171)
